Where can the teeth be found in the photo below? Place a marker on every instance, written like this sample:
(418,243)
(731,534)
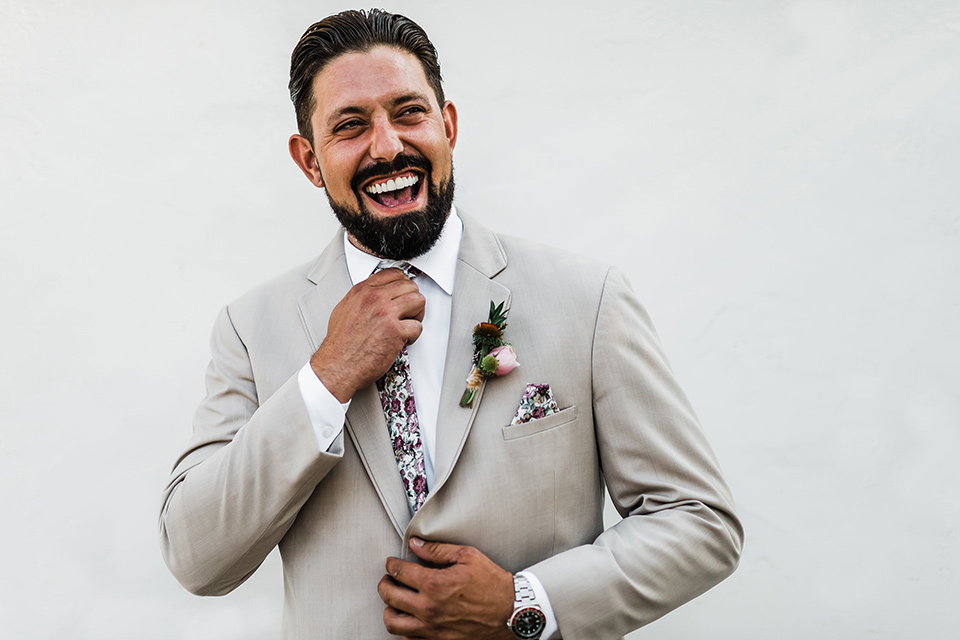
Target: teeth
(393,184)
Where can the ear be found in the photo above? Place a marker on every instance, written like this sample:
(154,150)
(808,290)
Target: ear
(302,153)
(450,123)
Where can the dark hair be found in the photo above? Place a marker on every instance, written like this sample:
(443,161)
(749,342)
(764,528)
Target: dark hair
(354,31)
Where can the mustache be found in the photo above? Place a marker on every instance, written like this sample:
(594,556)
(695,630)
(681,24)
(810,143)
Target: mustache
(401,162)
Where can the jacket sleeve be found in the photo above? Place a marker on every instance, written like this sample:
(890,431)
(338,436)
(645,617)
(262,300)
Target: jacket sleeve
(679,535)
(249,468)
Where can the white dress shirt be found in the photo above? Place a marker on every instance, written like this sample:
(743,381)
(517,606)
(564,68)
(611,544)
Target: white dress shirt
(427,359)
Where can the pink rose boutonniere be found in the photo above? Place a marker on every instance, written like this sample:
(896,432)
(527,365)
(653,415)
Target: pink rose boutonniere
(492,357)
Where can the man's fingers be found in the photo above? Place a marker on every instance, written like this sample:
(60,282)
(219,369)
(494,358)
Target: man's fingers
(403,624)
(466,595)
(410,305)
(366,331)
(391,280)
(406,573)
(398,301)
(410,309)
(394,594)
(387,275)
(439,553)
(404,611)
(420,305)
(411,330)
(389,283)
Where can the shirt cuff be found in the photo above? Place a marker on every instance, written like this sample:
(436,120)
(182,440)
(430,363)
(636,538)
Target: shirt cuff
(551,631)
(325,411)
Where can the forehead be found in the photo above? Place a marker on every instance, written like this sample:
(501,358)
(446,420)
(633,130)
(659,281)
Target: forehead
(363,80)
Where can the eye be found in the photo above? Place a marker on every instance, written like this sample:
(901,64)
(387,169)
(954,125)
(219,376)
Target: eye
(348,126)
(412,110)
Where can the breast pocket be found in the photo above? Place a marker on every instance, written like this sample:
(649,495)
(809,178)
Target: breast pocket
(553,421)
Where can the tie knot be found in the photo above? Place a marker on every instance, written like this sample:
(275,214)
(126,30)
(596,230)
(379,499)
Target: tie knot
(408,269)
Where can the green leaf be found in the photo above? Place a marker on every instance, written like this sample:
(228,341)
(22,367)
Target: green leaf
(498,315)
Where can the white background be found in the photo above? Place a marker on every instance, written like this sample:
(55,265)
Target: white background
(775,177)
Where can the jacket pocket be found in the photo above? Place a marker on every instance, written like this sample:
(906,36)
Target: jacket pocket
(554,420)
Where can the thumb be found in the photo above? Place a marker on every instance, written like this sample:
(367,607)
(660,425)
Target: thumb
(440,553)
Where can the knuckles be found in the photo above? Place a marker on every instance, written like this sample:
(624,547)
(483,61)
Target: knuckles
(431,583)
(370,298)
(431,610)
(390,621)
(383,588)
(464,555)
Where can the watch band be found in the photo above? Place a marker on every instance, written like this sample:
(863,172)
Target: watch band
(523,593)
(528,619)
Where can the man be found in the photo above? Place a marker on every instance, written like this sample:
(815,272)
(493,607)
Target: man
(333,425)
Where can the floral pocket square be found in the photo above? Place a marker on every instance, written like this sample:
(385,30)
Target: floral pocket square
(537,402)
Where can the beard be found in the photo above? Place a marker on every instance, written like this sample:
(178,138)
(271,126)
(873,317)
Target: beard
(404,236)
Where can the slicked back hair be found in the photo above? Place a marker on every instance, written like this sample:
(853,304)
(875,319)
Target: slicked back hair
(349,32)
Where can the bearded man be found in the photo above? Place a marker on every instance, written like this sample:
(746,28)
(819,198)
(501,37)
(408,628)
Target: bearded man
(339,424)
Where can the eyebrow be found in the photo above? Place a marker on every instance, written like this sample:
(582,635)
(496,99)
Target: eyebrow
(351,110)
(413,96)
(354,110)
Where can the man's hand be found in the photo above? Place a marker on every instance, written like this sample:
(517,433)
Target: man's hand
(465,596)
(366,332)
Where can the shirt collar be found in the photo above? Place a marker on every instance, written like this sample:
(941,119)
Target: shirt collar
(440,263)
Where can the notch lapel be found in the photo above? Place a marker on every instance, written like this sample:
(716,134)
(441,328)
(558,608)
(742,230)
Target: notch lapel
(365,424)
(481,258)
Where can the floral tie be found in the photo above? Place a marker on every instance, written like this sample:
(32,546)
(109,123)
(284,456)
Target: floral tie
(400,410)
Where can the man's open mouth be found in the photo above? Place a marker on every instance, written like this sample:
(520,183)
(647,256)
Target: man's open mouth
(395,191)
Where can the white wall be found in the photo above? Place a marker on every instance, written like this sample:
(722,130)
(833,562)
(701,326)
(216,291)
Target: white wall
(774,176)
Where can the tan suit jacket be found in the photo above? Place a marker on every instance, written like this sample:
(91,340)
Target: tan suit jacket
(529,496)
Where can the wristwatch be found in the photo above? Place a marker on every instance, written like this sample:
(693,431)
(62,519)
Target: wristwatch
(528,620)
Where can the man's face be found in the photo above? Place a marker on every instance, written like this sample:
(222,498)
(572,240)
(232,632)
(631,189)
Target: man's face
(383,149)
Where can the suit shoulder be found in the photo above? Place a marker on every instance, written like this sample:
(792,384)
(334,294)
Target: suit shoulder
(277,293)
(559,265)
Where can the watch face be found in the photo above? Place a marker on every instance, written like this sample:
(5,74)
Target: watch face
(529,623)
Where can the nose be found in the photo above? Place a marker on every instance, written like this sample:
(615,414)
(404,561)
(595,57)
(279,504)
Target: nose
(385,143)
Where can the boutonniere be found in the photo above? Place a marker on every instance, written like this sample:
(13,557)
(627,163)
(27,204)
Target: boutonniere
(492,357)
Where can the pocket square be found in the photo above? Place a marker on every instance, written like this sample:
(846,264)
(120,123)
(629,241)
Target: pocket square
(537,402)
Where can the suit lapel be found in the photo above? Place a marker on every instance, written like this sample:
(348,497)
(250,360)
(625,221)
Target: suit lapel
(481,258)
(368,431)
(332,281)
(365,424)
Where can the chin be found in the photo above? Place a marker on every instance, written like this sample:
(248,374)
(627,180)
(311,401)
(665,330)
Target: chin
(400,232)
